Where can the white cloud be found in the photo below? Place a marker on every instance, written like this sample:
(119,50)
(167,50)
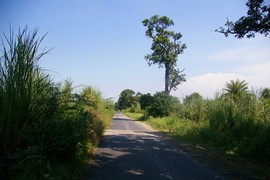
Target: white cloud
(258,75)
(250,61)
(207,84)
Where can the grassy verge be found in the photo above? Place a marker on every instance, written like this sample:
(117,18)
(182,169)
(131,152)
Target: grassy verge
(135,116)
(211,148)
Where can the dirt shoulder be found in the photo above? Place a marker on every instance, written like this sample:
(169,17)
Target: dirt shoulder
(229,166)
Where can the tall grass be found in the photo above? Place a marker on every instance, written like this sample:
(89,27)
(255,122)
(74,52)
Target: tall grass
(194,110)
(245,122)
(49,129)
(237,125)
(25,90)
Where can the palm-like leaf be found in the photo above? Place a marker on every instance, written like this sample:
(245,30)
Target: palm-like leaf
(237,87)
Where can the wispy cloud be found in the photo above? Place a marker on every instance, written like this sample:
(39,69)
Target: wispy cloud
(246,50)
(245,53)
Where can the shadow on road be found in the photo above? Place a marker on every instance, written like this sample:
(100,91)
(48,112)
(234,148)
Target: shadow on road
(142,155)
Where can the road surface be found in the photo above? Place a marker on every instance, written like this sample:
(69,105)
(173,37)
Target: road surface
(130,150)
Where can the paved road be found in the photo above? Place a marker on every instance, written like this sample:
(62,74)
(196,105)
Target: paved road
(130,150)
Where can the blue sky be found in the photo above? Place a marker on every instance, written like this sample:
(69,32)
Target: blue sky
(102,43)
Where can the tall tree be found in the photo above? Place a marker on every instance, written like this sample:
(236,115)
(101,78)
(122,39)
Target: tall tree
(166,47)
(257,20)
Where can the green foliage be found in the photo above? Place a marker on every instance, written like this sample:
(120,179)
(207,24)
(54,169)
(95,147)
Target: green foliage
(265,93)
(243,121)
(47,128)
(220,114)
(194,107)
(135,116)
(265,97)
(189,130)
(232,114)
(126,99)
(256,21)
(26,93)
(192,97)
(166,47)
(67,138)
(146,101)
(237,121)
(92,97)
(235,89)
(162,105)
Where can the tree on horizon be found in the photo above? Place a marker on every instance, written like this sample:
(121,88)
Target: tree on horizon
(166,47)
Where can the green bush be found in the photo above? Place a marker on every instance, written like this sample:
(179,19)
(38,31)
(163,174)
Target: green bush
(126,99)
(163,105)
(194,107)
(259,147)
(244,123)
(26,93)
(220,114)
(236,125)
(49,130)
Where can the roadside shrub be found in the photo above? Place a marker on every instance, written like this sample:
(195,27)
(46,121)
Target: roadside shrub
(259,147)
(162,105)
(244,123)
(26,93)
(135,108)
(91,97)
(146,100)
(225,114)
(220,114)
(194,108)
(46,131)
(126,99)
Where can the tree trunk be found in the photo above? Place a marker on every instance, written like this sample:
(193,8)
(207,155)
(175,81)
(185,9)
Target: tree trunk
(167,74)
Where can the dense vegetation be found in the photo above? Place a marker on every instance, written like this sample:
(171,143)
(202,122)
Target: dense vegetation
(46,130)
(236,121)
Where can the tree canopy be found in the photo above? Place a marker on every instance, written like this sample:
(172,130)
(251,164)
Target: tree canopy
(257,20)
(160,104)
(192,97)
(126,99)
(166,47)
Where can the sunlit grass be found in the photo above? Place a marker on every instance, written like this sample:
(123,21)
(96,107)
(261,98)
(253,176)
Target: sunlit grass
(47,130)
(26,93)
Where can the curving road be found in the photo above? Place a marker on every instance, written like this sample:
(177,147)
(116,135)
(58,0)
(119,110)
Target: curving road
(132,150)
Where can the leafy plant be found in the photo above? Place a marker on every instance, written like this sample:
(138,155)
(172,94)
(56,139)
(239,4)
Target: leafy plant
(194,107)
(256,21)
(126,99)
(236,88)
(162,105)
(49,129)
(26,93)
